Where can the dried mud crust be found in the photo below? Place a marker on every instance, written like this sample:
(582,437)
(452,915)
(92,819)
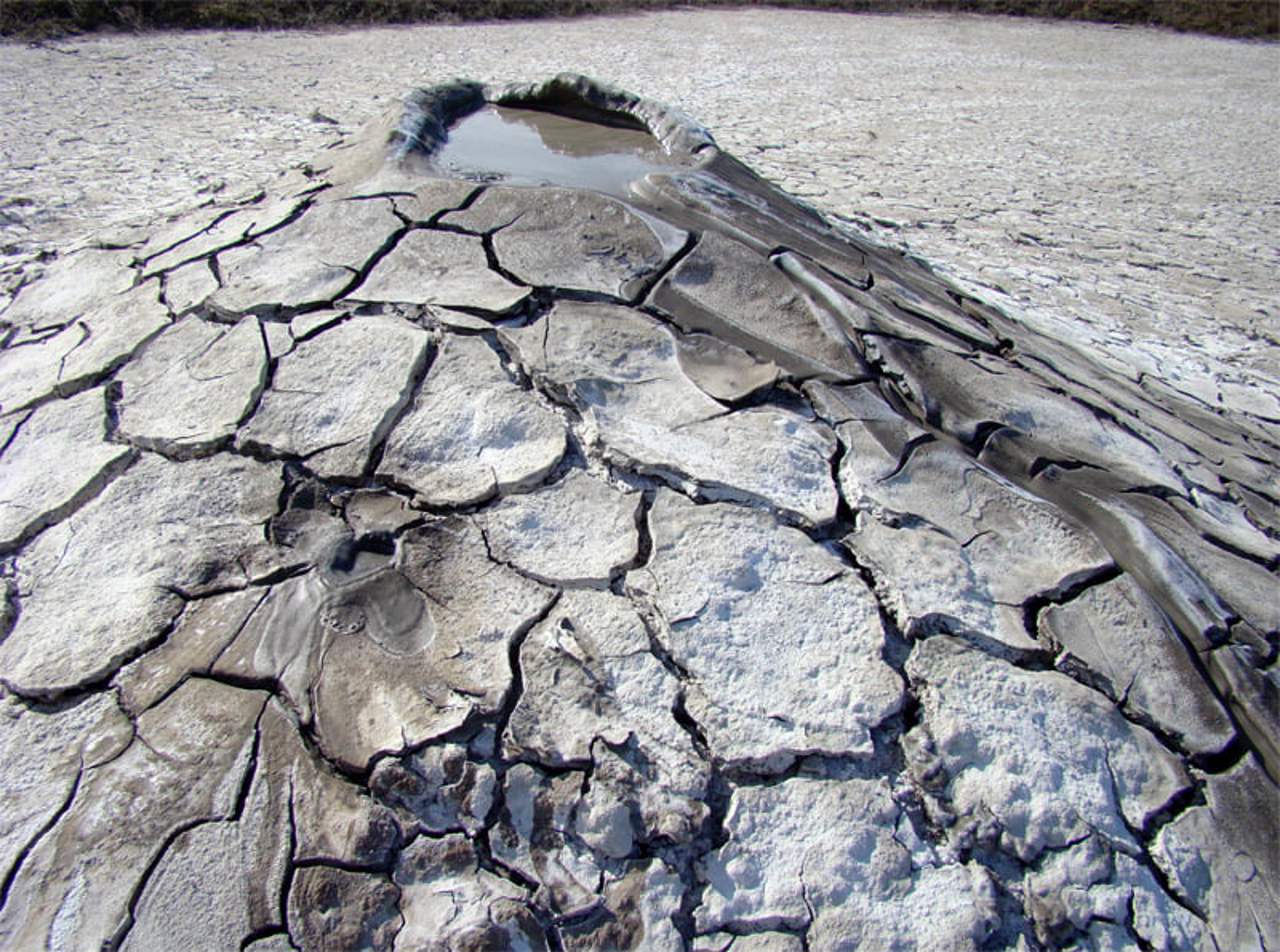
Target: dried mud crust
(612,610)
(1114,184)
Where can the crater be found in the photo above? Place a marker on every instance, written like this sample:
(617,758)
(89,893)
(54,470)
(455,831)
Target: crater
(523,146)
(357,591)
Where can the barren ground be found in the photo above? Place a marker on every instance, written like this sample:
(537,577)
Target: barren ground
(1118,184)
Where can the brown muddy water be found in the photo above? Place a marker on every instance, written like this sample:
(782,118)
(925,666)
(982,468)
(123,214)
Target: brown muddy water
(532,147)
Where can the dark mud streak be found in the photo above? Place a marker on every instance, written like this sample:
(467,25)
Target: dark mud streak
(1224,761)
(268,932)
(689,724)
(644,538)
(1041,463)
(1271,564)
(909,450)
(348,866)
(982,434)
(906,310)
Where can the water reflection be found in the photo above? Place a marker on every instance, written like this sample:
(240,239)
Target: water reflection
(531,147)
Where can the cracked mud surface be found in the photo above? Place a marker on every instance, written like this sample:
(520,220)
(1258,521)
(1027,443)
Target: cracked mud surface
(380,574)
(1114,185)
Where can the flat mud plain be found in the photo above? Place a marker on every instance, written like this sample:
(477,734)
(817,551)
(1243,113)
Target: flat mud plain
(1114,185)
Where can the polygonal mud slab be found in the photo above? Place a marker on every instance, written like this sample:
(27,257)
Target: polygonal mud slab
(594,694)
(436,267)
(47,754)
(113,572)
(70,287)
(753,942)
(619,369)
(638,911)
(332,909)
(966,395)
(1019,543)
(578,531)
(198,235)
(988,548)
(384,654)
(57,459)
(1047,771)
(230,872)
(312,259)
(448,901)
(83,349)
(1045,759)
(591,678)
(564,238)
(535,836)
(1085,890)
(189,287)
(471,432)
(424,202)
(1222,863)
(930,584)
(335,397)
(877,441)
(825,857)
(782,639)
(326,817)
(1237,576)
(192,385)
(199,635)
(1115,636)
(437,790)
(722,370)
(728,289)
(190,754)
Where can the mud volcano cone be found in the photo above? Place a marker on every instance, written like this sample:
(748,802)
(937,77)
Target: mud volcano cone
(530,529)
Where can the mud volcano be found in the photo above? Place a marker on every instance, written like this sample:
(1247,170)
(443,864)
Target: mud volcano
(530,529)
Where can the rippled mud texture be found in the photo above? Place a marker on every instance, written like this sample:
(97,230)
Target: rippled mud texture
(436,552)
